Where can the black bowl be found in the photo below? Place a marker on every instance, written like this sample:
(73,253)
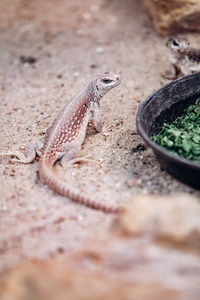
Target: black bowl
(165,105)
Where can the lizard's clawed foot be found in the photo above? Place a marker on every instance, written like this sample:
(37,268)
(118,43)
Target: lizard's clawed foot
(106,129)
(168,75)
(71,162)
(20,157)
(26,158)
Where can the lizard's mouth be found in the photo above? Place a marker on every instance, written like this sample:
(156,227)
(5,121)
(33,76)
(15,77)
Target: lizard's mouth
(117,82)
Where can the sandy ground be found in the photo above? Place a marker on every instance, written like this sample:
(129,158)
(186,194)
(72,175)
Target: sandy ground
(72,42)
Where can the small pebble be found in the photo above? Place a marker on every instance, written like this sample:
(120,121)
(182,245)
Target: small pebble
(80,218)
(118,186)
(99,50)
(4,208)
(76,74)
(87,16)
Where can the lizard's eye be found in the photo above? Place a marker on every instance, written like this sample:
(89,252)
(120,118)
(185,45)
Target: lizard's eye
(106,81)
(175,43)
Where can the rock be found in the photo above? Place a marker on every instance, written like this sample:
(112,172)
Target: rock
(56,281)
(171,17)
(128,262)
(169,219)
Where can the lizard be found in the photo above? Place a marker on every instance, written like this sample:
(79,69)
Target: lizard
(65,136)
(183,58)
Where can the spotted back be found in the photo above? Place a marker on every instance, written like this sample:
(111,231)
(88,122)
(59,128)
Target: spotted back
(71,123)
(194,55)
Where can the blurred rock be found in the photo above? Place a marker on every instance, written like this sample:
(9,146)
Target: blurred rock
(128,262)
(56,281)
(171,17)
(169,219)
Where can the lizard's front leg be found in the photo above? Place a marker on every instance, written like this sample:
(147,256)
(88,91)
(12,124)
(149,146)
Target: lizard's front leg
(33,149)
(98,123)
(171,74)
(185,70)
(97,118)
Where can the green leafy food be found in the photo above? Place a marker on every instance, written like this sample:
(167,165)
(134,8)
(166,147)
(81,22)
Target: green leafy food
(182,136)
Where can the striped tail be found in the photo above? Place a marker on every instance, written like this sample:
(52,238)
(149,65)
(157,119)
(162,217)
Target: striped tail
(49,177)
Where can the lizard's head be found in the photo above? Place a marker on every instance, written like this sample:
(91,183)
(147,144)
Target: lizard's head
(179,45)
(106,82)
